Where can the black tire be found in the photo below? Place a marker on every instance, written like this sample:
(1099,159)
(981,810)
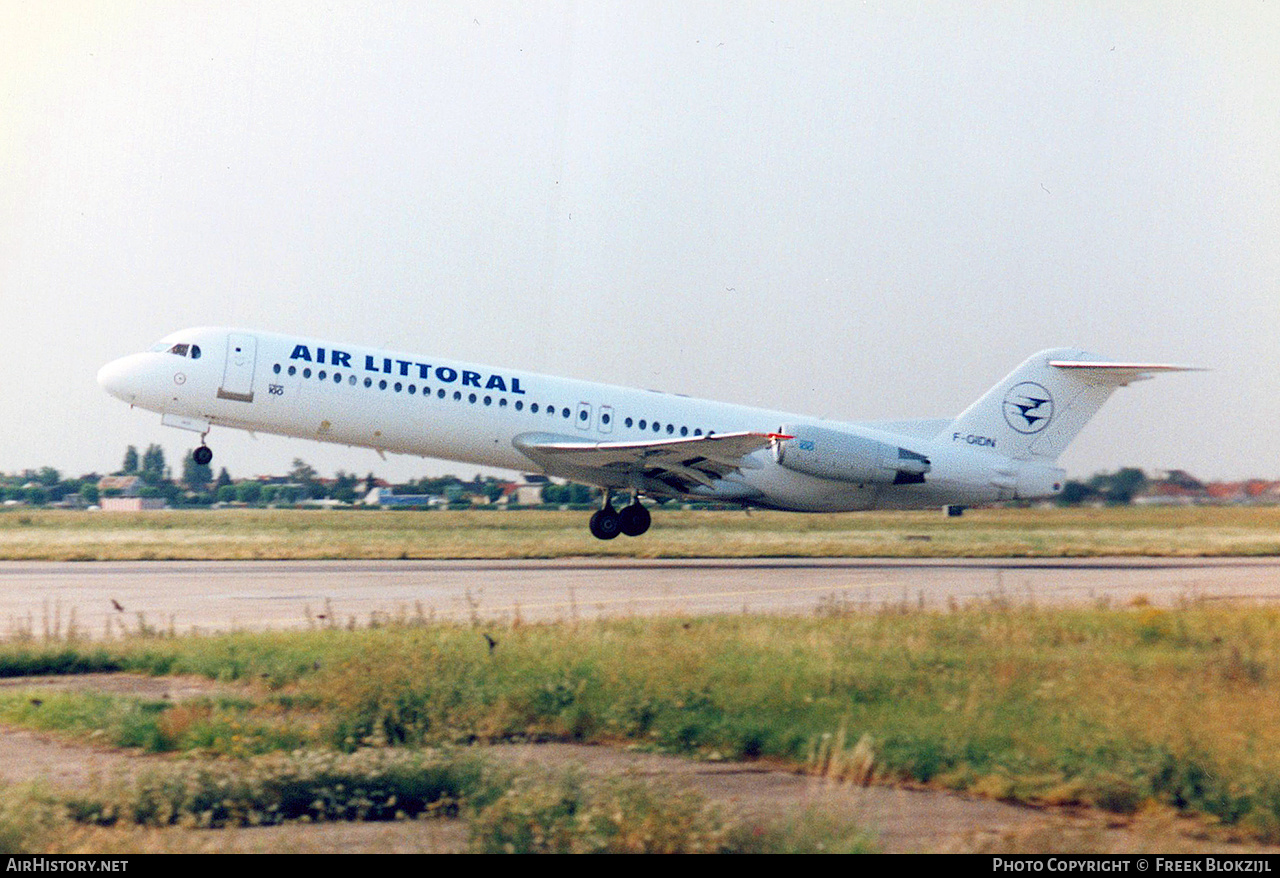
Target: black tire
(634,520)
(202,455)
(605,524)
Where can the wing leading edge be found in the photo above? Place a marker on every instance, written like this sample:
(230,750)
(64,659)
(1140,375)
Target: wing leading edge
(668,466)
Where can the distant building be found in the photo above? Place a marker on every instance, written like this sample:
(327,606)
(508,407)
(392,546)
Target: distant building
(130,504)
(381,496)
(120,486)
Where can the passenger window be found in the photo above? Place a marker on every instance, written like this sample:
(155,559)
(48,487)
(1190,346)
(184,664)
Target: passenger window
(534,408)
(293,370)
(306,373)
(368,382)
(276,368)
(323,375)
(382,385)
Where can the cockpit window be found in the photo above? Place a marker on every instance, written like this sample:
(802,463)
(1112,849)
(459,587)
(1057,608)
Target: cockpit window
(179,349)
(195,352)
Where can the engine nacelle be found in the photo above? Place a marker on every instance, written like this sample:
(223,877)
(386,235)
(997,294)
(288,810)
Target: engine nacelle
(845,457)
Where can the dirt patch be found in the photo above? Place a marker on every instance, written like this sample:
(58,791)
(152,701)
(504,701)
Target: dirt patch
(903,820)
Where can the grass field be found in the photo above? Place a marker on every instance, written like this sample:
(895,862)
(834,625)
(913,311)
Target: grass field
(240,534)
(1124,709)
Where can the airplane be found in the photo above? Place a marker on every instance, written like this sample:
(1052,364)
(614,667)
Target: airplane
(637,443)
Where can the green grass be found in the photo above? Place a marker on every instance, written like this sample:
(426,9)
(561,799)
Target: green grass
(346,534)
(1108,707)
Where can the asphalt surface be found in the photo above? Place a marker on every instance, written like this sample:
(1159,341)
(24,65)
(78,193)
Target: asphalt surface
(100,598)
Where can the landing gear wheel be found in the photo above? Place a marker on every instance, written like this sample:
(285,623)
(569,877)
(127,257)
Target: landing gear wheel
(634,520)
(202,455)
(605,524)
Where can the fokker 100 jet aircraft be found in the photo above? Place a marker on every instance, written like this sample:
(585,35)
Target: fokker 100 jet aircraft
(633,442)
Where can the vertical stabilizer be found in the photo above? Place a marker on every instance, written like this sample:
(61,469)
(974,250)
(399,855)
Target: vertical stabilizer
(1039,407)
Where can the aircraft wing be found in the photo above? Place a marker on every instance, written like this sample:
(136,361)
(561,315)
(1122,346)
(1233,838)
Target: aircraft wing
(669,465)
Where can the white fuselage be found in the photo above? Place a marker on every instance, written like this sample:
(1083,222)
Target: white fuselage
(439,408)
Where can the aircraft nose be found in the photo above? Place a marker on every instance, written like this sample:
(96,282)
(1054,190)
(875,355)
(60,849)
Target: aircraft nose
(119,379)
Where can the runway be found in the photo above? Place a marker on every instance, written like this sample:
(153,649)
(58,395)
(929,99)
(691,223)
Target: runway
(106,598)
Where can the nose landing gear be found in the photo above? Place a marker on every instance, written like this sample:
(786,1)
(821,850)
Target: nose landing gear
(202,455)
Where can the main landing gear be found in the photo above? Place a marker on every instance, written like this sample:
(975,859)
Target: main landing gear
(608,522)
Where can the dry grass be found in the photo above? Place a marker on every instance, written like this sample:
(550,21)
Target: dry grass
(348,534)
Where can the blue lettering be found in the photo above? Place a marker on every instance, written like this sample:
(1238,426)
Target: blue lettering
(424,371)
(496,383)
(369,364)
(340,358)
(386,365)
(300,352)
(320,356)
(515,386)
(470,379)
(404,367)
(447,375)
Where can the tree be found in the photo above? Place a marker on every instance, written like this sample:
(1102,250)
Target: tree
(224,479)
(130,465)
(1125,485)
(153,465)
(196,476)
(305,475)
(344,488)
(248,492)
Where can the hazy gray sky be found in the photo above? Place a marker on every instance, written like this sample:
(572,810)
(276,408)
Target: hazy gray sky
(856,210)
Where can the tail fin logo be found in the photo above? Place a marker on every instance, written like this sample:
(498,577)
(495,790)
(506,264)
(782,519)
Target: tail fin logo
(1028,407)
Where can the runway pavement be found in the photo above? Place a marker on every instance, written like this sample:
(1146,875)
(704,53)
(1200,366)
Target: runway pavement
(102,598)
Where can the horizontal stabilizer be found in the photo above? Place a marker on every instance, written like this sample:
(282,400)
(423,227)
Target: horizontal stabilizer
(1118,374)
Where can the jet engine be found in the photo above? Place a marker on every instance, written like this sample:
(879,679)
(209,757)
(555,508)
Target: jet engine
(846,457)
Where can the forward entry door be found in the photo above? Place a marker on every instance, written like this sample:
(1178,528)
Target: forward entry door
(237,374)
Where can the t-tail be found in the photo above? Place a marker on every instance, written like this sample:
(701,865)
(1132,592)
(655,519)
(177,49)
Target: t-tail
(1039,407)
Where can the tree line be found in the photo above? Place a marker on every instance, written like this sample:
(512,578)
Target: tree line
(198,485)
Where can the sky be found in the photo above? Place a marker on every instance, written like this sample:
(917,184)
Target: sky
(860,211)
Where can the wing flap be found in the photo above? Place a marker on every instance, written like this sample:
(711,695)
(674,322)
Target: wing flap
(679,464)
